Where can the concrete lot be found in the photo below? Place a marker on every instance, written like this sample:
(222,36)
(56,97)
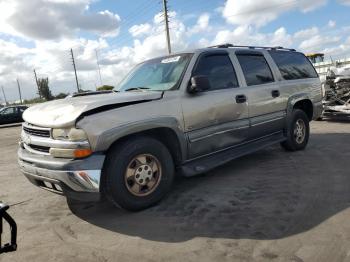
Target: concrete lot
(272,205)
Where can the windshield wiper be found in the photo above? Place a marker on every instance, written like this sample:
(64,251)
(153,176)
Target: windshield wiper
(137,88)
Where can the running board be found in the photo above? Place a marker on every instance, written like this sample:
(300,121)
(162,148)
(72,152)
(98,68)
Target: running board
(206,163)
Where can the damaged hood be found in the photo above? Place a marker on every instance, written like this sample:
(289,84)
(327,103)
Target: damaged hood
(64,112)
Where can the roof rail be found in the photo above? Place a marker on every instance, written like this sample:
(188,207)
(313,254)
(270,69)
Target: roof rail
(227,45)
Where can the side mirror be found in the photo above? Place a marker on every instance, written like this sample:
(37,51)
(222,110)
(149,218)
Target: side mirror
(198,84)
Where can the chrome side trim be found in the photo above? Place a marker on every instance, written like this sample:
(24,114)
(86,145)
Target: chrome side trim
(218,133)
(234,146)
(268,121)
(267,118)
(219,129)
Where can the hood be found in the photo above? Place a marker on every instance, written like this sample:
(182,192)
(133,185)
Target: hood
(64,112)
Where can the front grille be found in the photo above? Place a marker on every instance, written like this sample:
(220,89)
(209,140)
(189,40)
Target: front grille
(36,132)
(43,149)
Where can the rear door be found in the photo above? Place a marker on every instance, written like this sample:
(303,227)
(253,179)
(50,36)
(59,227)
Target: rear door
(215,119)
(267,110)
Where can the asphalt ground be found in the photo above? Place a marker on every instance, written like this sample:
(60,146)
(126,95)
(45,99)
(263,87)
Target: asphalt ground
(272,205)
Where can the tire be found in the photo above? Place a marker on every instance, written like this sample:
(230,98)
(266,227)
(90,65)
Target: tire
(297,141)
(124,189)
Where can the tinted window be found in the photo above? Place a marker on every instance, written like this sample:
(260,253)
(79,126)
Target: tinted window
(219,70)
(8,111)
(255,68)
(293,65)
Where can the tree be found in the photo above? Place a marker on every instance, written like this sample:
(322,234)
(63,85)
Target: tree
(44,90)
(61,95)
(105,87)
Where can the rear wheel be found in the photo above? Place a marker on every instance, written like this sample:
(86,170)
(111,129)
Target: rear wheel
(298,131)
(138,173)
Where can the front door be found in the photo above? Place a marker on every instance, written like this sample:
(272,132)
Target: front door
(217,118)
(8,115)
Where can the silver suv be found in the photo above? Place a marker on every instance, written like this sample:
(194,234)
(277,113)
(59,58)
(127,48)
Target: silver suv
(185,113)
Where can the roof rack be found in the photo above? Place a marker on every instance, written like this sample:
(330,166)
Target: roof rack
(252,47)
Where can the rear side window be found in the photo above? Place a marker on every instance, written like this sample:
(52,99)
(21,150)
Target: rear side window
(255,69)
(293,65)
(219,70)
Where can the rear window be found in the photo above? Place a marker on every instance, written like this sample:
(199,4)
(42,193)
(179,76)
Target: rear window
(293,65)
(255,69)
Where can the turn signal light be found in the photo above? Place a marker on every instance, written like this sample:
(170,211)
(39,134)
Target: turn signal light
(80,153)
(70,153)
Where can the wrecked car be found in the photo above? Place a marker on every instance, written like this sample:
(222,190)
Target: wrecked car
(336,92)
(186,113)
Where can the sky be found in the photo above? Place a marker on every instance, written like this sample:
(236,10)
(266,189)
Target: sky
(39,34)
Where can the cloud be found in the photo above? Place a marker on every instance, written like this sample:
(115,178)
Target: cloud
(201,25)
(306,33)
(344,2)
(260,13)
(331,23)
(246,35)
(140,30)
(49,45)
(318,41)
(54,19)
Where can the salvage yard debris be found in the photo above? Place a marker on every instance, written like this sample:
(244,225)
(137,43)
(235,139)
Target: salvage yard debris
(336,92)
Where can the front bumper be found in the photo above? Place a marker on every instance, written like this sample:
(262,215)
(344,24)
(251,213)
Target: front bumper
(79,179)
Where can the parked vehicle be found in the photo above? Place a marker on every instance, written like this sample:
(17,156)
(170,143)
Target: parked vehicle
(11,114)
(188,112)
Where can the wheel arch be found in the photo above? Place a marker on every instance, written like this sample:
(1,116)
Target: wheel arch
(302,102)
(168,132)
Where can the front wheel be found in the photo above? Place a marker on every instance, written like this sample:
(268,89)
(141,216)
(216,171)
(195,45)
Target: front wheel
(297,132)
(138,173)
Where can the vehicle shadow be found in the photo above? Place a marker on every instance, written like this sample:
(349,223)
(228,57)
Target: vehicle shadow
(337,118)
(270,194)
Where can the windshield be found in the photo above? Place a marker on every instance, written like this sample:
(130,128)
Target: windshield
(157,74)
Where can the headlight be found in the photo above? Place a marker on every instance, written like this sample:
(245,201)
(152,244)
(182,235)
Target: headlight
(70,134)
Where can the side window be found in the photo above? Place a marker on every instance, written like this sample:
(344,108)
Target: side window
(8,111)
(219,70)
(255,69)
(293,65)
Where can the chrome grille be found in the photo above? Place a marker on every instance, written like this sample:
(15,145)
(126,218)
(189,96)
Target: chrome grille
(34,131)
(43,149)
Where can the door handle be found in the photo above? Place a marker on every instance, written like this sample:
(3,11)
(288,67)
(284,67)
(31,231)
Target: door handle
(241,99)
(275,93)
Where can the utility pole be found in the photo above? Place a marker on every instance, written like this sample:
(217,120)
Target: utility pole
(3,92)
(75,70)
(98,66)
(37,83)
(165,5)
(19,91)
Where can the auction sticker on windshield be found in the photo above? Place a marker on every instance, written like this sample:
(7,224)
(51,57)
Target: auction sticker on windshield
(171,59)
